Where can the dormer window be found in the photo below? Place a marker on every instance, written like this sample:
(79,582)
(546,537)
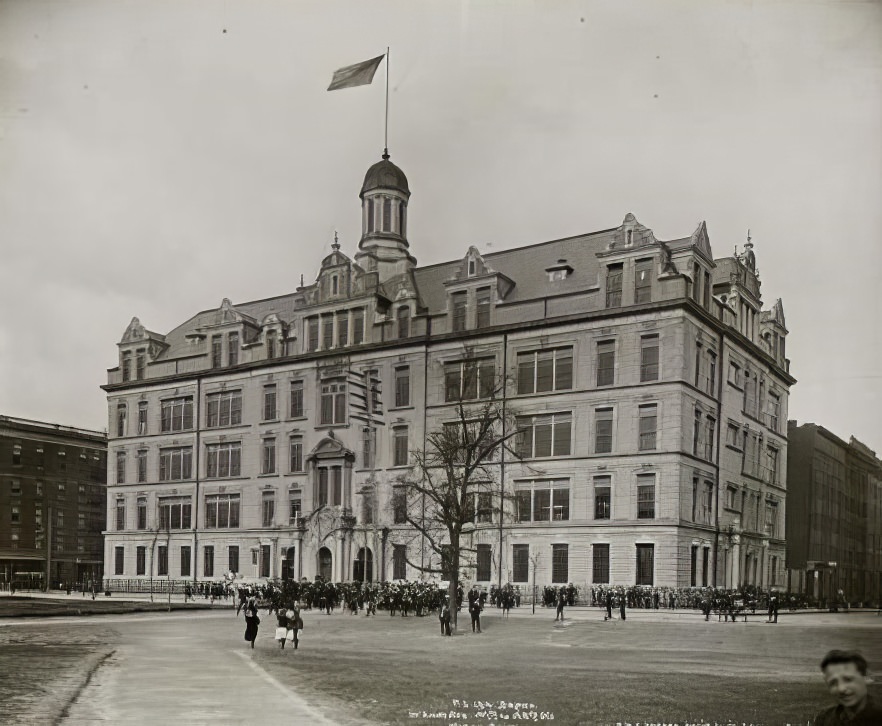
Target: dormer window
(335,285)
(140,363)
(472,267)
(370,214)
(629,238)
(559,271)
(271,343)
(126,366)
(404,322)
(387,214)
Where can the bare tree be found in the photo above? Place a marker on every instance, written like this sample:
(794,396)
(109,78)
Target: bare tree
(452,482)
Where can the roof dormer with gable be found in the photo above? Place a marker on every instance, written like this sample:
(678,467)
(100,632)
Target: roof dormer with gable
(473,292)
(137,348)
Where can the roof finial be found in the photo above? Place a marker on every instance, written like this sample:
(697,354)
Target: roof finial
(386,153)
(336,245)
(748,234)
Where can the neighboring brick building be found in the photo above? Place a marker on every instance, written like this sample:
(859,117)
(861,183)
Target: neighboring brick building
(52,503)
(265,437)
(834,522)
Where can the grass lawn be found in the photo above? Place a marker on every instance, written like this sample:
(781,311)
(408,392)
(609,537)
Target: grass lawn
(17,606)
(588,672)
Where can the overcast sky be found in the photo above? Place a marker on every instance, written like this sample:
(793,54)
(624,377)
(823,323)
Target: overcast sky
(156,157)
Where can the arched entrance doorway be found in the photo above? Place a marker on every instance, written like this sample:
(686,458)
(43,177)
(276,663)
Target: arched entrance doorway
(325,567)
(363,567)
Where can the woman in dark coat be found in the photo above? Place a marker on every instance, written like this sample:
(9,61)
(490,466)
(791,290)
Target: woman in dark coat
(251,622)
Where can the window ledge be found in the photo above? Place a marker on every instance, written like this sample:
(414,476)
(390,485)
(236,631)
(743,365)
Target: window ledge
(400,408)
(271,420)
(320,427)
(268,476)
(734,448)
(226,478)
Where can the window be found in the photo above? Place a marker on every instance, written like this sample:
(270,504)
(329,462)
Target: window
(233,349)
(327,331)
(482,308)
(404,322)
(295,456)
(460,308)
(750,395)
(368,446)
(208,561)
(342,329)
(469,379)
(603,430)
(545,435)
(120,514)
(126,366)
(399,505)
(233,559)
(15,515)
(358,326)
(402,386)
(174,513)
(707,289)
(614,286)
(272,349)
(162,560)
(774,411)
(140,561)
(602,497)
(772,465)
(224,409)
(295,506)
(221,511)
(217,351)
(333,403)
(330,486)
(270,412)
(733,436)
(369,203)
(142,419)
(185,561)
(268,508)
(520,563)
(699,350)
(312,334)
(119,557)
(649,358)
(175,464)
(696,281)
(141,461)
(543,500)
(697,443)
(142,513)
(296,399)
(140,363)
(484,561)
(751,460)
(399,446)
(646,496)
(645,564)
(177,414)
(772,519)
(600,563)
(399,562)
(711,427)
(648,423)
(711,373)
(372,391)
(606,363)
(387,214)
(268,461)
(693,566)
(484,514)
(121,419)
(120,467)
(734,374)
(560,561)
(732,497)
(224,460)
(62,466)
(643,281)
(545,370)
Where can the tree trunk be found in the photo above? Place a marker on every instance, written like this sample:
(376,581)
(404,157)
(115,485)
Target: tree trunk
(454,580)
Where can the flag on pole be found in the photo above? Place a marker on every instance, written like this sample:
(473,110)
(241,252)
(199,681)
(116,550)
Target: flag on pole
(358,74)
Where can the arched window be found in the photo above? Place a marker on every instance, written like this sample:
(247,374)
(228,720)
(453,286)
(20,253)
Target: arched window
(401,230)
(370,214)
(387,214)
(404,322)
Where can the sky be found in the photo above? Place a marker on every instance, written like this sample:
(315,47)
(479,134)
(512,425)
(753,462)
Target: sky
(157,156)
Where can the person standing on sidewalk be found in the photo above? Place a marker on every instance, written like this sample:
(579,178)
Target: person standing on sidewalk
(295,625)
(622,604)
(609,604)
(251,621)
(281,628)
(561,601)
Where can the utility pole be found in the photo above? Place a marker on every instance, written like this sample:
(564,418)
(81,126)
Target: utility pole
(535,562)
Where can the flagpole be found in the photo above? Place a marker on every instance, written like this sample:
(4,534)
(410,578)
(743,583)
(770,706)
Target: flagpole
(386,136)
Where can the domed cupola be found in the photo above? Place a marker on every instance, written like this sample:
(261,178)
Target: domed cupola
(384,195)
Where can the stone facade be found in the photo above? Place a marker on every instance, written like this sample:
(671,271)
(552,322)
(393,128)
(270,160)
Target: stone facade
(265,438)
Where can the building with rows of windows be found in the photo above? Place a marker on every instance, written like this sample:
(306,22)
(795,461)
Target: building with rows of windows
(52,498)
(650,388)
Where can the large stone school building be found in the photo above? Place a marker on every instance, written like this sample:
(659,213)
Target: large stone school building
(650,385)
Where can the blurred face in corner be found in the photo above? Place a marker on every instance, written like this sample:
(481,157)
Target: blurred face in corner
(846,684)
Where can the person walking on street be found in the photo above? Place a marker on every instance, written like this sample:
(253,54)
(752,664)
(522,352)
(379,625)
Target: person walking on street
(475,608)
(609,605)
(622,605)
(444,617)
(251,621)
(295,625)
(561,601)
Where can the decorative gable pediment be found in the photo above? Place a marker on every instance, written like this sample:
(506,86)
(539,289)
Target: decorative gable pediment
(701,241)
(137,333)
(472,265)
(631,234)
(330,447)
